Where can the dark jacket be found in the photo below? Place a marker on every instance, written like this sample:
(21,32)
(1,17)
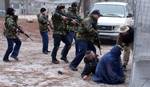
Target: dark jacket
(90,67)
(109,69)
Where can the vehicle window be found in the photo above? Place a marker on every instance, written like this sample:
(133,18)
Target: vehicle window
(108,10)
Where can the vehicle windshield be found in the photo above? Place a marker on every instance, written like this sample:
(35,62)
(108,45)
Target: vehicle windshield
(108,10)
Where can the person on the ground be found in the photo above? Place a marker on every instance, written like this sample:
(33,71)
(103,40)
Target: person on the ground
(90,60)
(109,68)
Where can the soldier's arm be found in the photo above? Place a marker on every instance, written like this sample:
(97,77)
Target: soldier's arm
(43,19)
(57,15)
(61,16)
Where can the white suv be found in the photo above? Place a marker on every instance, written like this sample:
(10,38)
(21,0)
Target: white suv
(114,16)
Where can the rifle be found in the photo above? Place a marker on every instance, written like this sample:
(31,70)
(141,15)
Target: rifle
(97,41)
(21,31)
(15,18)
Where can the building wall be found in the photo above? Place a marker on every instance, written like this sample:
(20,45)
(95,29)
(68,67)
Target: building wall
(141,57)
(32,7)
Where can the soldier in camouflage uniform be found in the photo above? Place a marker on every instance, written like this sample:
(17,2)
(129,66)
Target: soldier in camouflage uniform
(125,39)
(43,26)
(85,37)
(10,33)
(59,20)
(73,19)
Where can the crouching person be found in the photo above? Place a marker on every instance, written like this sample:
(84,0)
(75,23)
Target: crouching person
(90,60)
(109,68)
(125,40)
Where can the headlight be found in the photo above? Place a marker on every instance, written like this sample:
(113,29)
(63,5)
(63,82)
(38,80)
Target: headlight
(121,29)
(117,28)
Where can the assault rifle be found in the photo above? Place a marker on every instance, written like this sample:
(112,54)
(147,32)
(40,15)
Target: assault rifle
(21,31)
(96,40)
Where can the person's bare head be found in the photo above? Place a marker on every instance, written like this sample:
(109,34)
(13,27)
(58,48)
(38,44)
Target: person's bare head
(89,56)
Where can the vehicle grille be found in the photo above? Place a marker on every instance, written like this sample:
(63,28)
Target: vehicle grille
(106,27)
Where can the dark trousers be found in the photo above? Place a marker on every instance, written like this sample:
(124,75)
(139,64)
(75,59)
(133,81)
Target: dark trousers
(45,41)
(70,36)
(13,47)
(82,47)
(57,39)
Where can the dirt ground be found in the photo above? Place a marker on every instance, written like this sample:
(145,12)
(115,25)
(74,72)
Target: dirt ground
(36,70)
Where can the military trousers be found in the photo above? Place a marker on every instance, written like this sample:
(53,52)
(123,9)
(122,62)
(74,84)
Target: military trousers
(70,36)
(13,48)
(57,40)
(126,54)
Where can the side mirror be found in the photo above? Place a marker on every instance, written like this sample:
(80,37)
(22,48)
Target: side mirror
(130,15)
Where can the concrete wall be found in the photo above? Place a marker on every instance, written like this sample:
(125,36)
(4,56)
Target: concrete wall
(141,60)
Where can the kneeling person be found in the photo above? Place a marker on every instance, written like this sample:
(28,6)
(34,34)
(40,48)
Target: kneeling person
(90,60)
(109,68)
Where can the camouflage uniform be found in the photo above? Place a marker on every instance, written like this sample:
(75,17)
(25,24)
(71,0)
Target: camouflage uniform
(59,34)
(126,54)
(10,27)
(14,42)
(72,27)
(126,41)
(84,37)
(43,22)
(43,26)
(59,24)
(73,16)
(86,32)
